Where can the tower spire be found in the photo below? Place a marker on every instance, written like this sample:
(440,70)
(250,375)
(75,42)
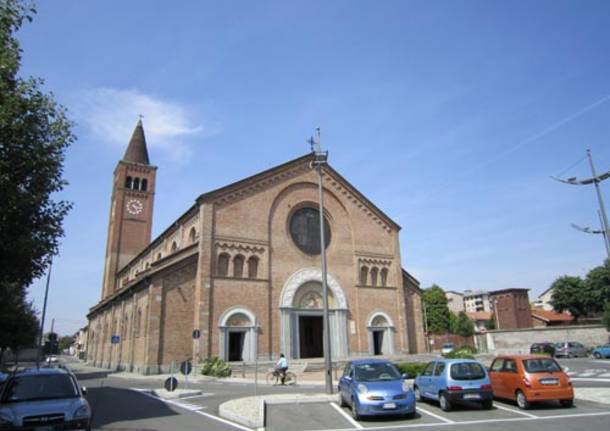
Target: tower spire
(136,150)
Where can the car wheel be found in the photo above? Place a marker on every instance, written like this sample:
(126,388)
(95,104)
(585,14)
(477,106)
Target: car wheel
(522,402)
(410,415)
(355,413)
(597,355)
(417,394)
(487,404)
(566,403)
(444,402)
(342,402)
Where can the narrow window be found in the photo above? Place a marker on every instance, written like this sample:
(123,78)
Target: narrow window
(364,273)
(192,235)
(159,256)
(144,184)
(252,267)
(138,323)
(136,184)
(238,266)
(374,272)
(223,265)
(128,182)
(384,277)
(174,246)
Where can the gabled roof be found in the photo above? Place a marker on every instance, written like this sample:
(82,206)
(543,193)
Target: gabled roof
(136,150)
(551,316)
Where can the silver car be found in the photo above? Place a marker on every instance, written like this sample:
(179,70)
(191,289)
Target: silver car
(44,399)
(570,349)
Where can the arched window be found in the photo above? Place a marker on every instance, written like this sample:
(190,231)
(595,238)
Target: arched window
(252,267)
(223,265)
(174,246)
(159,256)
(192,234)
(144,184)
(364,273)
(136,184)
(238,266)
(374,272)
(384,276)
(128,182)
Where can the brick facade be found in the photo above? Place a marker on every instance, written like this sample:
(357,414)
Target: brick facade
(512,308)
(230,268)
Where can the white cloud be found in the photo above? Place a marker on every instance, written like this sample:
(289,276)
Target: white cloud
(111,115)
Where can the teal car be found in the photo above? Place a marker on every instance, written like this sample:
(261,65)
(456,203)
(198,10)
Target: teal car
(601,352)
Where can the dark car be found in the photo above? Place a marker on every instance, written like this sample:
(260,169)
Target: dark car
(538,348)
(43,398)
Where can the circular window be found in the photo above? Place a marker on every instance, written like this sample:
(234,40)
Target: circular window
(305,230)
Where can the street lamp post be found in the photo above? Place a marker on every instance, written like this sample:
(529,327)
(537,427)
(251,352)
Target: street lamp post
(44,312)
(320,159)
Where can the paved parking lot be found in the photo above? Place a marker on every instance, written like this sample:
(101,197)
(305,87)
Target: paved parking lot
(329,416)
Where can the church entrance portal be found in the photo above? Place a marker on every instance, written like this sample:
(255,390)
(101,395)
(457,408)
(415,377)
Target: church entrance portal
(377,342)
(311,336)
(236,346)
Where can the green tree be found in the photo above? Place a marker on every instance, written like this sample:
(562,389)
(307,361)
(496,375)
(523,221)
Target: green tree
(437,313)
(571,294)
(463,325)
(34,135)
(19,324)
(491,323)
(65,342)
(597,285)
(606,316)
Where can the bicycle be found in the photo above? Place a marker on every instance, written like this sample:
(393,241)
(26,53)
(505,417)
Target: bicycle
(274,377)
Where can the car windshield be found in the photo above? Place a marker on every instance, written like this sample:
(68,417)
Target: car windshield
(376,372)
(41,387)
(543,365)
(559,345)
(448,346)
(467,371)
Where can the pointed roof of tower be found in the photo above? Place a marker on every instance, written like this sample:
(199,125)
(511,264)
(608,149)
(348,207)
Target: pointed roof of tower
(136,150)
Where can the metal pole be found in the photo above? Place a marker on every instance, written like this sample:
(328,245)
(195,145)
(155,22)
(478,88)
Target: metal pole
(600,199)
(44,312)
(604,233)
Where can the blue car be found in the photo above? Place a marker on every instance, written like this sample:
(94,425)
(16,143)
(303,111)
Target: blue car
(451,381)
(374,387)
(602,352)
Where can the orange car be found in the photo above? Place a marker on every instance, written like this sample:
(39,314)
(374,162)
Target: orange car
(530,378)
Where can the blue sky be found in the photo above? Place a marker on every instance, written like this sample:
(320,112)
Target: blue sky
(449,115)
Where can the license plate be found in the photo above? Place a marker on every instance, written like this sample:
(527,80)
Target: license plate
(472,396)
(389,405)
(549,381)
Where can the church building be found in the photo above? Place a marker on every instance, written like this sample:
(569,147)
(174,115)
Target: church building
(238,276)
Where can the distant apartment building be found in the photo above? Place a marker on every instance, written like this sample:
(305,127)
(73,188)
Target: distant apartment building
(512,308)
(455,301)
(544,300)
(476,300)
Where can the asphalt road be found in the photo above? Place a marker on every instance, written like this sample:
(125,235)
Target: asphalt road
(118,404)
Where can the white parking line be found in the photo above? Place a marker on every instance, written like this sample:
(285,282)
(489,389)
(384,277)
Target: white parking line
(205,394)
(588,379)
(520,412)
(434,415)
(346,416)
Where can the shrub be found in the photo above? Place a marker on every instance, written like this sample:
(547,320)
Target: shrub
(465,352)
(215,367)
(411,368)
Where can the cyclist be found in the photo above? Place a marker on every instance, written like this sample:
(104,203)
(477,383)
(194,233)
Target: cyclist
(281,367)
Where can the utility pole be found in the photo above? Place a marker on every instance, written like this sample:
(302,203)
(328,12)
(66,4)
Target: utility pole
(595,180)
(320,160)
(426,326)
(44,312)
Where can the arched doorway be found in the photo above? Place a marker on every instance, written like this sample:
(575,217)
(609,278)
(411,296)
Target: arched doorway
(238,336)
(381,334)
(302,316)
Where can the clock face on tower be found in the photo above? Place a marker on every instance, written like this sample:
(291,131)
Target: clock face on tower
(134,206)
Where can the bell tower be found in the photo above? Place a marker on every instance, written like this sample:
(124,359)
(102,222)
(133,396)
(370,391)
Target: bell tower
(131,209)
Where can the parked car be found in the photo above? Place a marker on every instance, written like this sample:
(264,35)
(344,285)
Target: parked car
(44,398)
(602,352)
(52,360)
(450,381)
(447,348)
(570,349)
(375,387)
(548,348)
(530,378)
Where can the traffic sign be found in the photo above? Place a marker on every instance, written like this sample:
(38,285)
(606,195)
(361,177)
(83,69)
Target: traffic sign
(186,367)
(115,339)
(196,334)
(171,384)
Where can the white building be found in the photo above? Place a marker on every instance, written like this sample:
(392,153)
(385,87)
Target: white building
(455,301)
(476,300)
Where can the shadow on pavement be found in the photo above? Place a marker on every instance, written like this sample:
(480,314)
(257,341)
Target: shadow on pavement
(111,405)
(91,375)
